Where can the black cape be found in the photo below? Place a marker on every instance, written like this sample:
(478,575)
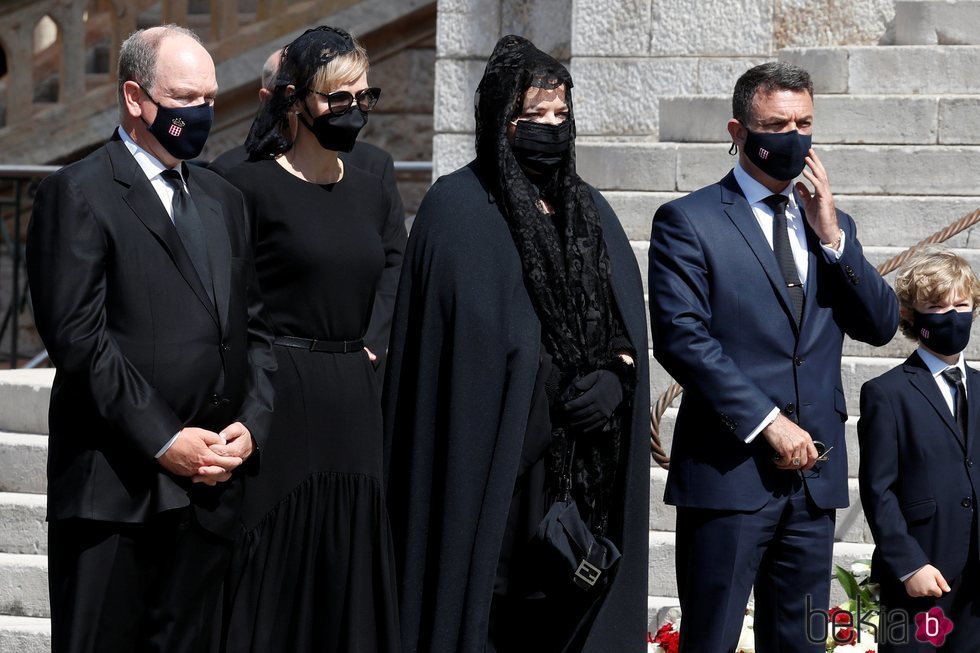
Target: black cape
(464,353)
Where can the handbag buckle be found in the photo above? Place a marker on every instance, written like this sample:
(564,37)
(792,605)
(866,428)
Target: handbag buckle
(587,575)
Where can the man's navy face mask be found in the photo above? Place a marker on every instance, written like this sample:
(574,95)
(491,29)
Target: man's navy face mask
(182,131)
(782,156)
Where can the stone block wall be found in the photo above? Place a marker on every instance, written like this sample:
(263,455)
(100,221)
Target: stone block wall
(625,55)
(466,31)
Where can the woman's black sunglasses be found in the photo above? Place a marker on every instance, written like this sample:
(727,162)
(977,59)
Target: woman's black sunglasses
(341,101)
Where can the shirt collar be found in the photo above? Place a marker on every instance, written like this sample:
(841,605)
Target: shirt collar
(149,164)
(936,366)
(755,192)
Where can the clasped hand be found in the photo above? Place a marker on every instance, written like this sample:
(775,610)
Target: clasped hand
(208,457)
(596,396)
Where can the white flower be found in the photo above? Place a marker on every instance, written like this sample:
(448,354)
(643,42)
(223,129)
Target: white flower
(860,570)
(746,639)
(856,648)
(654,648)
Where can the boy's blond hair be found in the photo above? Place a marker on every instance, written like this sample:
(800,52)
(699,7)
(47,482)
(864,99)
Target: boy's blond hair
(932,274)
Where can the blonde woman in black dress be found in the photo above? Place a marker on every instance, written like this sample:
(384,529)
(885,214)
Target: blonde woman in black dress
(314,569)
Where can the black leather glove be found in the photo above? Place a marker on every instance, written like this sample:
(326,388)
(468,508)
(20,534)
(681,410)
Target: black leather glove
(599,394)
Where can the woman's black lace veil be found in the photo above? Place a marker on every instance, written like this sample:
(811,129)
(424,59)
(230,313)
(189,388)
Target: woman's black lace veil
(563,257)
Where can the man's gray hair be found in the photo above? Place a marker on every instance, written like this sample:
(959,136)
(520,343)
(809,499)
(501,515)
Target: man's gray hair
(138,56)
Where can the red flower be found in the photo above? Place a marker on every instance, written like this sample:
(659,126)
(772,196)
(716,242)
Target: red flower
(668,638)
(840,618)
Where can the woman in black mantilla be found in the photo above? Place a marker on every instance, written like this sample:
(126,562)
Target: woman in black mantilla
(314,570)
(519,330)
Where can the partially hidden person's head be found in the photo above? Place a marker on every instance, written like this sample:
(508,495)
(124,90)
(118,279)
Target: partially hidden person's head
(167,87)
(524,113)
(938,295)
(772,120)
(322,80)
(270,71)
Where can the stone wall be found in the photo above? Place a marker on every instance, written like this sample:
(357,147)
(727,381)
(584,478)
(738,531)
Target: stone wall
(627,54)
(466,33)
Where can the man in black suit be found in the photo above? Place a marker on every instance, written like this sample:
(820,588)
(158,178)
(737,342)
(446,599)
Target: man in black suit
(378,162)
(919,427)
(753,284)
(144,294)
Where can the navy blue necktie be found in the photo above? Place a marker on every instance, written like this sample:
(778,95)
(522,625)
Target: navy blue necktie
(784,253)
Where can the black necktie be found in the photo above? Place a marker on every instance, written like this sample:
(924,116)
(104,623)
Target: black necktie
(955,378)
(784,253)
(188,223)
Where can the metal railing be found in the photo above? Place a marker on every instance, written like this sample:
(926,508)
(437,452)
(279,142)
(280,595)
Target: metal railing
(18,184)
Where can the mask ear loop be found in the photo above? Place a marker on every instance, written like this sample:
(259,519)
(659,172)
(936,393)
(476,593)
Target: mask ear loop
(733,150)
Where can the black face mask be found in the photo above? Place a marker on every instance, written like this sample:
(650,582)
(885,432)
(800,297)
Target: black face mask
(540,147)
(182,131)
(781,156)
(337,132)
(944,333)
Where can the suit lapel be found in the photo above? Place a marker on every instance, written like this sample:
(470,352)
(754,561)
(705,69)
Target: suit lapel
(922,379)
(813,249)
(973,403)
(218,244)
(740,213)
(145,203)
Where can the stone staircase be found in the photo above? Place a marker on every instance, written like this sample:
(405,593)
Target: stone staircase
(24,626)
(898,129)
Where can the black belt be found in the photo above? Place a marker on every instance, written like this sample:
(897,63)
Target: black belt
(326,346)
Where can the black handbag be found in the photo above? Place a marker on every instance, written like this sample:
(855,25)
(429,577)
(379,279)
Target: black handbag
(564,552)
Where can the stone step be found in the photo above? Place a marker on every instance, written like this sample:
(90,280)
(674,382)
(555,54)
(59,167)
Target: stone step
(24,585)
(936,22)
(896,170)
(891,70)
(882,221)
(22,525)
(663,582)
(23,459)
(851,523)
(25,634)
(847,119)
(24,396)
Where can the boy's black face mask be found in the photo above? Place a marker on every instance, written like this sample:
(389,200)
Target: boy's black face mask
(944,333)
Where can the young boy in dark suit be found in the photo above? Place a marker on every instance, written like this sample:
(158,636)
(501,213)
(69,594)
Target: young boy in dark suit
(918,431)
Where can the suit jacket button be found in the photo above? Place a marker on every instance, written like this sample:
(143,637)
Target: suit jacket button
(798,361)
(967,502)
(790,408)
(969,462)
(215,399)
(225,347)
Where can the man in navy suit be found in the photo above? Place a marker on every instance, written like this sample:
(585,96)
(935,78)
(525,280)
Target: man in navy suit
(918,430)
(753,285)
